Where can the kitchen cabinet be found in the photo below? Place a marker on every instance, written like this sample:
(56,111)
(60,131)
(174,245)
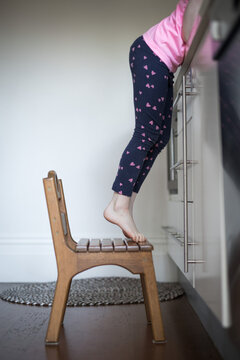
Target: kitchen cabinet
(195,228)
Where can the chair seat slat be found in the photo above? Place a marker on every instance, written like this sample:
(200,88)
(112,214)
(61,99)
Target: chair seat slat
(119,244)
(146,246)
(106,245)
(131,245)
(94,245)
(82,245)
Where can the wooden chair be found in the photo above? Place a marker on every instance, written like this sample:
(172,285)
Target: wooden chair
(74,257)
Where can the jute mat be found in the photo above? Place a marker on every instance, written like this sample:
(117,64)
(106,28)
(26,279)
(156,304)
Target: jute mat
(90,292)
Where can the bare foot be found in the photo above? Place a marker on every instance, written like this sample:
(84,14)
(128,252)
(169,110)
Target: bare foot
(121,216)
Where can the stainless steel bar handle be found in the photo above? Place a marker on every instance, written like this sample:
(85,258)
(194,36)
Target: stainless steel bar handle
(177,165)
(179,94)
(185,182)
(178,237)
(171,155)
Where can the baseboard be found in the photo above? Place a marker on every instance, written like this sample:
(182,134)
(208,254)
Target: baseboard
(31,258)
(219,335)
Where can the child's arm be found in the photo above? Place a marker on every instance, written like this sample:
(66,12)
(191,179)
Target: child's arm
(189,17)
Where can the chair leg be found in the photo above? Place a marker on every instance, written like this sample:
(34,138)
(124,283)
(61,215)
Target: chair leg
(145,299)
(58,309)
(154,304)
(66,302)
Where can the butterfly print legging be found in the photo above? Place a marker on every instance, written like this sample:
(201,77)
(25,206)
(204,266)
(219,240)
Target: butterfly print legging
(153,100)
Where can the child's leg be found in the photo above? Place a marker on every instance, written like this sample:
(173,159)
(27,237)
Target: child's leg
(150,83)
(160,144)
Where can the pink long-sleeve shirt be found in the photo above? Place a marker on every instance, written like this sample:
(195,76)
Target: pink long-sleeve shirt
(165,38)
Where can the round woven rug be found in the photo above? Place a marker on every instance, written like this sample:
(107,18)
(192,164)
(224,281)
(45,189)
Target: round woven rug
(90,291)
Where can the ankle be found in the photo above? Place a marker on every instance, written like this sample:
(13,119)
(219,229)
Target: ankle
(120,201)
(117,206)
(132,200)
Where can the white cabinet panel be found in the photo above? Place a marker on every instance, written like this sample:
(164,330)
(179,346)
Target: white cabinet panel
(210,279)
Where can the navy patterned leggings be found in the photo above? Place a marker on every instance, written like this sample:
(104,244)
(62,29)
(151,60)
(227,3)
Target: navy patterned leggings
(153,100)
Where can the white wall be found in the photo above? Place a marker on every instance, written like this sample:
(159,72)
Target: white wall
(66,104)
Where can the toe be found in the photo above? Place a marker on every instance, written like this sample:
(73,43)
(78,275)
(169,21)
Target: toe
(138,238)
(135,238)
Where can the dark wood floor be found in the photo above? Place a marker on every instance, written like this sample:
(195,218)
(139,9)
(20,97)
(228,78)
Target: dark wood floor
(103,332)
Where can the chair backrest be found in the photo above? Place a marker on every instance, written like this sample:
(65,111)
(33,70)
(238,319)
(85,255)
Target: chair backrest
(57,210)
